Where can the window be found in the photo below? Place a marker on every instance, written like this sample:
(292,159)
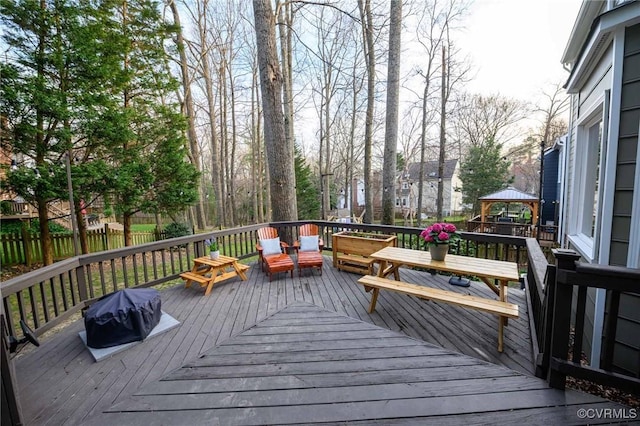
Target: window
(594,133)
(590,144)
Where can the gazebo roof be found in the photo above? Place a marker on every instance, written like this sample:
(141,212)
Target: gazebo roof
(509,194)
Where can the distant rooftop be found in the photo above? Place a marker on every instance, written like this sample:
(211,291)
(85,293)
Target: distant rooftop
(431,169)
(510,194)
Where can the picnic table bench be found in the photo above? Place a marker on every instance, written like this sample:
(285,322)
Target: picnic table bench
(207,271)
(392,258)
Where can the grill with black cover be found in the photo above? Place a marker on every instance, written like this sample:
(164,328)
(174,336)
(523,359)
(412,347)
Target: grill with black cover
(122,317)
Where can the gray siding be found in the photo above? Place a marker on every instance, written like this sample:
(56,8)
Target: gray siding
(627,348)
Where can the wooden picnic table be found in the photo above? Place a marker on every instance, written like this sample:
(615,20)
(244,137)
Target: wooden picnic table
(487,270)
(207,271)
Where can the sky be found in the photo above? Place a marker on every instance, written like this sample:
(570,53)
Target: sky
(517,45)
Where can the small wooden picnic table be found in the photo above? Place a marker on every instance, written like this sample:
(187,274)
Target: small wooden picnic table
(207,271)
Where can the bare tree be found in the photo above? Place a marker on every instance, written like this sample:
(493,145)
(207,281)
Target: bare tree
(489,118)
(554,105)
(188,106)
(432,32)
(279,155)
(364,6)
(391,129)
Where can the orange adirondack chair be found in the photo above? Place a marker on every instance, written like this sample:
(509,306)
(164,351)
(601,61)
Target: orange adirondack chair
(309,259)
(273,263)
(308,230)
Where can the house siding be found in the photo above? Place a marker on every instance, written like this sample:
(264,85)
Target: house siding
(582,102)
(627,347)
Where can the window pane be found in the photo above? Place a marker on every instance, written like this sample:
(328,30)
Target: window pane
(595,135)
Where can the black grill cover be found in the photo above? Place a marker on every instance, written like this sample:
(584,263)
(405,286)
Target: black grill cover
(125,316)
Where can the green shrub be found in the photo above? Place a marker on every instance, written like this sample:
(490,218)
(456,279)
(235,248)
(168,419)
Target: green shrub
(175,229)
(5,207)
(15,226)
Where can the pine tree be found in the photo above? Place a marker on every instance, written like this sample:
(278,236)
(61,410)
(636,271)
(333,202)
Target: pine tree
(91,79)
(484,171)
(307,191)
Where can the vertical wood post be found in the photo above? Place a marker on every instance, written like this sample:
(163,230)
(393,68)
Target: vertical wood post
(105,238)
(561,318)
(10,407)
(26,244)
(542,370)
(81,279)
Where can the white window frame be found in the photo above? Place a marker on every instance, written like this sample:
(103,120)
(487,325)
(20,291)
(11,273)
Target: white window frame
(585,177)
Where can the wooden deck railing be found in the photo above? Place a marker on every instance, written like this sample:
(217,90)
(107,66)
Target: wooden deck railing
(547,233)
(45,297)
(557,320)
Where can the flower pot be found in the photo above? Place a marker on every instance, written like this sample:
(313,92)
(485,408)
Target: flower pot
(214,254)
(438,251)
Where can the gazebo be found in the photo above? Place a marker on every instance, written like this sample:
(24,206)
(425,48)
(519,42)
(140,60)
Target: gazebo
(509,195)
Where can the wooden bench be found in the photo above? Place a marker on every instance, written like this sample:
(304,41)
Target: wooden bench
(496,307)
(504,310)
(191,276)
(355,263)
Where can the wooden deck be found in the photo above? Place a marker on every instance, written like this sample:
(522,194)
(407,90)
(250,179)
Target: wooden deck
(267,364)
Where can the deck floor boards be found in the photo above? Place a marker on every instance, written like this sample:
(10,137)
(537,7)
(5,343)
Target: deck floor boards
(255,340)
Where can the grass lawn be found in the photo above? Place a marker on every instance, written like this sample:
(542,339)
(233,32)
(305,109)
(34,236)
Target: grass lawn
(147,227)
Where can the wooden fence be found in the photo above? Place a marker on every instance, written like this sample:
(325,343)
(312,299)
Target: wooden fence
(25,248)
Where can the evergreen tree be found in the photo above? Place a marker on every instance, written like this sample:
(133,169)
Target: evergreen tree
(307,191)
(36,90)
(484,171)
(91,79)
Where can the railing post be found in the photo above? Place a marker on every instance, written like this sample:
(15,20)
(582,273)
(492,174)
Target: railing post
(83,291)
(542,368)
(561,317)
(11,408)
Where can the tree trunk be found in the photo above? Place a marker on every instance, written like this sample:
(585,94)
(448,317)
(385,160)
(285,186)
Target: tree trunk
(45,235)
(285,19)
(190,113)
(126,222)
(367,35)
(279,154)
(224,141)
(391,129)
(232,158)
(441,157)
(82,231)
(215,148)
(43,213)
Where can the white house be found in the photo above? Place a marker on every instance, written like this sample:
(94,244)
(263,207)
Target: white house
(600,207)
(407,190)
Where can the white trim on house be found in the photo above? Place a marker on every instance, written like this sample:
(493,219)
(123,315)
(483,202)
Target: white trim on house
(599,38)
(582,218)
(609,179)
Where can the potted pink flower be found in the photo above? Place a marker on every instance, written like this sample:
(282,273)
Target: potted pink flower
(438,237)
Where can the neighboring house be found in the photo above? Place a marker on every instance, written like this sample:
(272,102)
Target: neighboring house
(552,182)
(407,189)
(600,212)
